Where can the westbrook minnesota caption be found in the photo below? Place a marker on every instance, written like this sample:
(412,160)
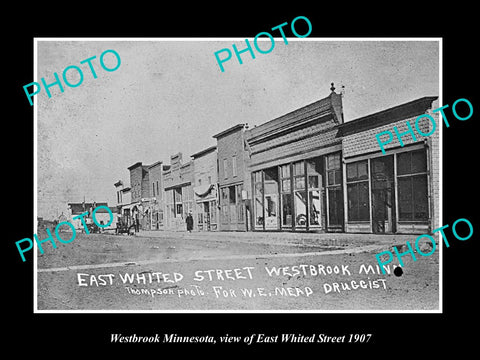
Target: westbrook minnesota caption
(248,339)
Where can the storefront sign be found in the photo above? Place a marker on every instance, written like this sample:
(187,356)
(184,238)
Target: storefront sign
(203,190)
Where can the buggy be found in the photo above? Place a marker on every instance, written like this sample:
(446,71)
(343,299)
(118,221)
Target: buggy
(123,228)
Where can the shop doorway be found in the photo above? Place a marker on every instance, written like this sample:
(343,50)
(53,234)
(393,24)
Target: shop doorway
(383,195)
(271,198)
(206,218)
(266,199)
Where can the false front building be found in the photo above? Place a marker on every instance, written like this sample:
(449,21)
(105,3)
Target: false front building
(309,170)
(205,189)
(233,178)
(395,192)
(295,169)
(178,180)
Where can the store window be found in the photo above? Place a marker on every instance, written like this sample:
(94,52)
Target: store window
(334,189)
(200,216)
(239,204)
(314,170)
(170,202)
(160,217)
(213,212)
(286,195)
(412,186)
(258,196)
(188,204)
(271,198)
(300,194)
(224,205)
(358,191)
(232,202)
(234,165)
(178,202)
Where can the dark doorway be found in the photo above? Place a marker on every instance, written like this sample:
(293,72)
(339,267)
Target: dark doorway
(383,195)
(206,218)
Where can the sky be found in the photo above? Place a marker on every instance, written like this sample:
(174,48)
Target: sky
(169,96)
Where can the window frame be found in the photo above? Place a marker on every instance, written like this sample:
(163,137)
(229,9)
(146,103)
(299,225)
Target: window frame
(178,202)
(286,174)
(311,171)
(239,203)
(335,188)
(258,200)
(417,174)
(213,212)
(356,183)
(234,165)
(224,203)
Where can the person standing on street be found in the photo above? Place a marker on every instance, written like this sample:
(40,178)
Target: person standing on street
(189,221)
(137,223)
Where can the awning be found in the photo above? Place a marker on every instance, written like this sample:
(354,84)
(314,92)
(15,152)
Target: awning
(203,190)
(130,206)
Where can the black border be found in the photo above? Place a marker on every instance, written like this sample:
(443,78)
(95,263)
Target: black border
(401,333)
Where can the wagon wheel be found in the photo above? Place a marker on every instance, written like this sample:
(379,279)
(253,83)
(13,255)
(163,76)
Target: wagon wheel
(131,230)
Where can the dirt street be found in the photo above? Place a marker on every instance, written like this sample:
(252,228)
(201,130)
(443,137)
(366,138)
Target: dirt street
(232,271)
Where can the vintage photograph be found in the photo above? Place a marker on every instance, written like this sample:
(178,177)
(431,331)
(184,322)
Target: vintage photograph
(164,184)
